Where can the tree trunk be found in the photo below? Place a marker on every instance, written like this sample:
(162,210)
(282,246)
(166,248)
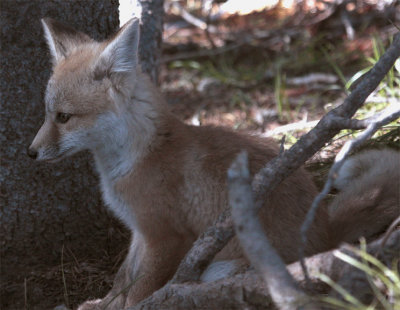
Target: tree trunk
(45,208)
(151,36)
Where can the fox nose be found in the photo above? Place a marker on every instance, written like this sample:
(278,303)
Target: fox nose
(32,153)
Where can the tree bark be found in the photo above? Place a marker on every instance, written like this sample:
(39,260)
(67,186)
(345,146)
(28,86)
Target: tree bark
(151,36)
(45,207)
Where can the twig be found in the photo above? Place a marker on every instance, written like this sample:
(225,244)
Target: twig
(263,257)
(389,231)
(347,24)
(63,277)
(379,99)
(207,30)
(192,19)
(313,78)
(290,127)
(204,249)
(282,145)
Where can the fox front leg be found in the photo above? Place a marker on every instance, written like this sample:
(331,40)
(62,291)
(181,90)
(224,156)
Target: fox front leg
(147,267)
(124,279)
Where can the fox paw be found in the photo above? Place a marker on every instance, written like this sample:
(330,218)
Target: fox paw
(91,305)
(107,303)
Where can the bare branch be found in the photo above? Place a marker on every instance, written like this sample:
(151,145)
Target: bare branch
(244,291)
(263,257)
(282,166)
(389,231)
(248,291)
(204,249)
(282,145)
(370,80)
(345,123)
(192,19)
(347,24)
(313,78)
(339,122)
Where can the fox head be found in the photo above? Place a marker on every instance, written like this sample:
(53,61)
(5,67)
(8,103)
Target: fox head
(90,92)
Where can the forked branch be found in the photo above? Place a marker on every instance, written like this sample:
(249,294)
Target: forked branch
(263,257)
(249,291)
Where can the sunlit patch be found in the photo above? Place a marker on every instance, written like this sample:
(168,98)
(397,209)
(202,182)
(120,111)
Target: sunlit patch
(127,10)
(246,7)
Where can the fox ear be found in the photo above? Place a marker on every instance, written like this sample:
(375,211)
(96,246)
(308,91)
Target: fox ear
(121,52)
(61,39)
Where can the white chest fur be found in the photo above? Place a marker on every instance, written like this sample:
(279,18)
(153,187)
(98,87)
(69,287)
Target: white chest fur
(120,139)
(117,204)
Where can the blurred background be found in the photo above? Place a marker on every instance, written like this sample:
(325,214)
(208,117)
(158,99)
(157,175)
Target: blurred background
(273,67)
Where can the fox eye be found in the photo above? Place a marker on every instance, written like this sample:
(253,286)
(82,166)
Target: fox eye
(62,117)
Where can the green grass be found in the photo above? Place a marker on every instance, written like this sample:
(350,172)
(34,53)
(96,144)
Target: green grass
(389,87)
(281,100)
(388,90)
(226,69)
(384,282)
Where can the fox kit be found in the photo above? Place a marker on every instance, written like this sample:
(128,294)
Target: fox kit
(369,195)
(164,179)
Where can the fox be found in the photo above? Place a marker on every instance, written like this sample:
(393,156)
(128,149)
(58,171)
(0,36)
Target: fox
(368,184)
(164,179)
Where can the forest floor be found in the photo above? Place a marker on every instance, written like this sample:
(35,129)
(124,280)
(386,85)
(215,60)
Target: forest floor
(273,73)
(276,72)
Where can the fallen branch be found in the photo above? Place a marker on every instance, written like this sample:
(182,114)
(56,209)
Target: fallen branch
(290,127)
(312,79)
(248,290)
(285,293)
(243,291)
(193,19)
(204,250)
